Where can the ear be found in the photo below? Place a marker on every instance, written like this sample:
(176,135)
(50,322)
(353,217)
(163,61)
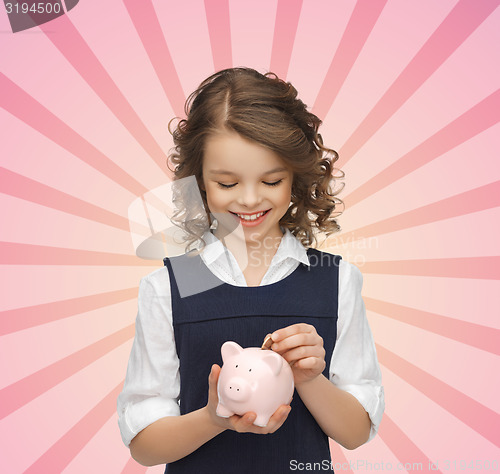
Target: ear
(274,361)
(230,349)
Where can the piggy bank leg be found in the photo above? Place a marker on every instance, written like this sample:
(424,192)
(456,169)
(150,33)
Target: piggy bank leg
(261,420)
(223,412)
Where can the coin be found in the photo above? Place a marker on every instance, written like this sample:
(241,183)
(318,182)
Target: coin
(268,342)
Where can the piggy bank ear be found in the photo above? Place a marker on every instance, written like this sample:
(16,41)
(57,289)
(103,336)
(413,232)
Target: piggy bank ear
(230,349)
(274,361)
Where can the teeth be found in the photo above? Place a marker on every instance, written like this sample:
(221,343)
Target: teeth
(252,217)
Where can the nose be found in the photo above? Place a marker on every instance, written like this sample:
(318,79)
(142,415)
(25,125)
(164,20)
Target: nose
(250,196)
(237,389)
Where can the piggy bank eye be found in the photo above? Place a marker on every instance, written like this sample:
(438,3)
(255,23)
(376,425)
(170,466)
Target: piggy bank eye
(249,370)
(236,365)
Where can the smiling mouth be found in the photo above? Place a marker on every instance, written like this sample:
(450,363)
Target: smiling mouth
(250,217)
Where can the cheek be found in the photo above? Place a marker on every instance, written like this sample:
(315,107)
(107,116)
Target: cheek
(216,196)
(286,196)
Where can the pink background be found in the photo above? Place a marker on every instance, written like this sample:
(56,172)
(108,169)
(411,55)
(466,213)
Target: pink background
(408,92)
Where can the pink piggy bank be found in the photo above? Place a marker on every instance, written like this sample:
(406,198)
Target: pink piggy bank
(253,379)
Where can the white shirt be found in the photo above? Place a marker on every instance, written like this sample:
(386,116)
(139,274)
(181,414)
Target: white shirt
(152,383)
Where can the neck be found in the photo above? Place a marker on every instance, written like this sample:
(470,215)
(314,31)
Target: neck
(252,253)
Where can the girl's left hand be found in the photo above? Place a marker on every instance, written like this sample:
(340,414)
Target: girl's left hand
(301,346)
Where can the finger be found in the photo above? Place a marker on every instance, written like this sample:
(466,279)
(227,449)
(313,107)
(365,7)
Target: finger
(213,376)
(244,423)
(298,328)
(295,340)
(277,422)
(303,352)
(312,363)
(279,416)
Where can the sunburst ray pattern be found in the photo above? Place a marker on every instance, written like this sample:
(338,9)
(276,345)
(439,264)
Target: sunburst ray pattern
(409,95)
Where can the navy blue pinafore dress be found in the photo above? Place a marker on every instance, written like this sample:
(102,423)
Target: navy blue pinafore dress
(206,312)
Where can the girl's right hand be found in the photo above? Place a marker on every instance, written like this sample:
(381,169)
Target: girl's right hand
(241,424)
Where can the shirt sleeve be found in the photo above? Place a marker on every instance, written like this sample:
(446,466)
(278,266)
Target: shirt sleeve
(152,384)
(354,366)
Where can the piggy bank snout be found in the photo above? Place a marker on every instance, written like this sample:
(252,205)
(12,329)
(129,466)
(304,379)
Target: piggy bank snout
(237,389)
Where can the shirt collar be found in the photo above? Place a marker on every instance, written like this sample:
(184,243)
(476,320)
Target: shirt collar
(290,247)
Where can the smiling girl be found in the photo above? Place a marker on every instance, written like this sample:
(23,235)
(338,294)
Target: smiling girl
(261,168)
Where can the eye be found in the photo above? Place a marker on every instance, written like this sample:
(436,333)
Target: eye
(273,184)
(229,186)
(226,186)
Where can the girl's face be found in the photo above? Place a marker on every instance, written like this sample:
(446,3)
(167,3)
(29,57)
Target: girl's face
(243,177)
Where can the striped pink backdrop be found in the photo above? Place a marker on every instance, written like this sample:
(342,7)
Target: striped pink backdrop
(409,95)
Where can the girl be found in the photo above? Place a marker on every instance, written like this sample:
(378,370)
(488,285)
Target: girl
(263,170)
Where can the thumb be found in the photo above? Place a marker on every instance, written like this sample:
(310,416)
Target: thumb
(214,374)
(212,384)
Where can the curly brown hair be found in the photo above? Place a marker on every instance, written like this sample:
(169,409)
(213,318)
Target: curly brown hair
(266,110)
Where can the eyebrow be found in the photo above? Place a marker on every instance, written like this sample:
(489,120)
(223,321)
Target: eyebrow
(275,170)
